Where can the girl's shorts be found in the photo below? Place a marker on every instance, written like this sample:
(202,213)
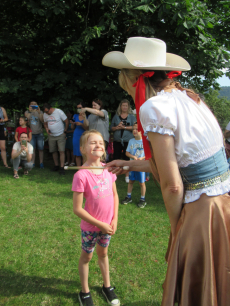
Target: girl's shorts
(89,240)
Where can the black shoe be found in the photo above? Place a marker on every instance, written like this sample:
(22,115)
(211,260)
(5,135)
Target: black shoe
(62,171)
(126,200)
(85,299)
(55,168)
(110,296)
(141,203)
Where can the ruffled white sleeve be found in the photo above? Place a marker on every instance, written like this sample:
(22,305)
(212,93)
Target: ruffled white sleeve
(158,114)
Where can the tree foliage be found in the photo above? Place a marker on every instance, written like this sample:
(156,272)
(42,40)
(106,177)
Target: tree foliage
(51,50)
(220,106)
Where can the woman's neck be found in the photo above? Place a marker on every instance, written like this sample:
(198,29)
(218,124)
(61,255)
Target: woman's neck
(124,114)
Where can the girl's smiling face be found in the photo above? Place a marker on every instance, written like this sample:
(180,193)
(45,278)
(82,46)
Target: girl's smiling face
(94,147)
(22,121)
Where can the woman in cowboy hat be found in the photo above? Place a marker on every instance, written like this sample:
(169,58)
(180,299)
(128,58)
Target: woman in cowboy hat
(184,149)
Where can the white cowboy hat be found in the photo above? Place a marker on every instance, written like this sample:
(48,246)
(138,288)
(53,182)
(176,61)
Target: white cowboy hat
(145,54)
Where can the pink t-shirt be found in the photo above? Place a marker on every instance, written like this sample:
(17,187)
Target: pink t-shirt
(98,192)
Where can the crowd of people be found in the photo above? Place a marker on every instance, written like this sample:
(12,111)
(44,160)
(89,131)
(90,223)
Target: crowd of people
(178,139)
(64,132)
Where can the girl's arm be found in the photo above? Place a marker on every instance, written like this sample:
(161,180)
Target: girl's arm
(116,204)
(30,136)
(16,136)
(84,215)
(170,178)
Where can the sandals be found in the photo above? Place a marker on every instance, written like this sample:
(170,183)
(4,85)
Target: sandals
(16,176)
(26,172)
(72,164)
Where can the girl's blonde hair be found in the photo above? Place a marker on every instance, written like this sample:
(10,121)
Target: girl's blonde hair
(119,107)
(83,140)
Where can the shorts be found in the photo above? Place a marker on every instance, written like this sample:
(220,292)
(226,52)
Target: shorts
(2,135)
(38,140)
(89,240)
(137,176)
(57,143)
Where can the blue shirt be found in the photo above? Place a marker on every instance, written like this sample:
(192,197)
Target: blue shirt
(135,147)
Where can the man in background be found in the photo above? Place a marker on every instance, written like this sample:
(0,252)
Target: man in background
(56,124)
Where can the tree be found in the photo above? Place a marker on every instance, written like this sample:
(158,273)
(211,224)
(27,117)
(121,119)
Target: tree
(51,50)
(220,106)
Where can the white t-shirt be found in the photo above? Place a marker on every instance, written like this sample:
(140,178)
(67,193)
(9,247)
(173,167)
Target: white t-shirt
(55,122)
(17,147)
(228,129)
(196,132)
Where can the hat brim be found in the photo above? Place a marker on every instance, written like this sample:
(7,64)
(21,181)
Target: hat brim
(118,60)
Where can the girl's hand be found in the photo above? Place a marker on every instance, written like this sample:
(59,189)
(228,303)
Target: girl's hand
(106,228)
(114,226)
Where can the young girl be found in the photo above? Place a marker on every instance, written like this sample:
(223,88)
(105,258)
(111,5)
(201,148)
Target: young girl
(100,215)
(23,128)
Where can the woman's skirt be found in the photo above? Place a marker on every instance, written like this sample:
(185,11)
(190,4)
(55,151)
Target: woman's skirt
(198,271)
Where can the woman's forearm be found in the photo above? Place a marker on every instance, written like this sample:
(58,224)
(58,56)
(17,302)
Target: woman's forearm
(94,111)
(173,199)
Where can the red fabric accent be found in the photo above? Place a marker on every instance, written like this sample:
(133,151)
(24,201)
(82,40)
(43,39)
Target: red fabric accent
(173,74)
(139,100)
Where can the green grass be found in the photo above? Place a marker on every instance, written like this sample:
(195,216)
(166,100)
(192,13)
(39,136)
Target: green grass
(40,243)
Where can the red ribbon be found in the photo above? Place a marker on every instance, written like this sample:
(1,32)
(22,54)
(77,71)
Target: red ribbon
(173,74)
(139,100)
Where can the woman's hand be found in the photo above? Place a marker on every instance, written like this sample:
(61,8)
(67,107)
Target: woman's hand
(116,167)
(120,126)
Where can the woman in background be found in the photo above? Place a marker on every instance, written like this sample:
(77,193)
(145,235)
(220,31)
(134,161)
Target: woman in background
(3,120)
(98,119)
(79,127)
(122,127)
(69,141)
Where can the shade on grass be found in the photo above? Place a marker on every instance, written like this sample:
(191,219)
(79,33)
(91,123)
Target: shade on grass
(40,243)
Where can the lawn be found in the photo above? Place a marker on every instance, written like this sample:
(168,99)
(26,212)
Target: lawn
(40,243)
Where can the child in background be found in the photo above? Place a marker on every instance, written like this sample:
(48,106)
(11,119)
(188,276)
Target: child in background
(23,128)
(100,215)
(135,151)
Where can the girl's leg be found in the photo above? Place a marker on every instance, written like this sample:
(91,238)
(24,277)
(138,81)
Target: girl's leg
(83,268)
(103,261)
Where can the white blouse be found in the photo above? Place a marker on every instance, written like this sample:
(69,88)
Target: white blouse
(196,131)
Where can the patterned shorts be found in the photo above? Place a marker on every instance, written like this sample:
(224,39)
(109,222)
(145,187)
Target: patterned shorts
(89,240)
